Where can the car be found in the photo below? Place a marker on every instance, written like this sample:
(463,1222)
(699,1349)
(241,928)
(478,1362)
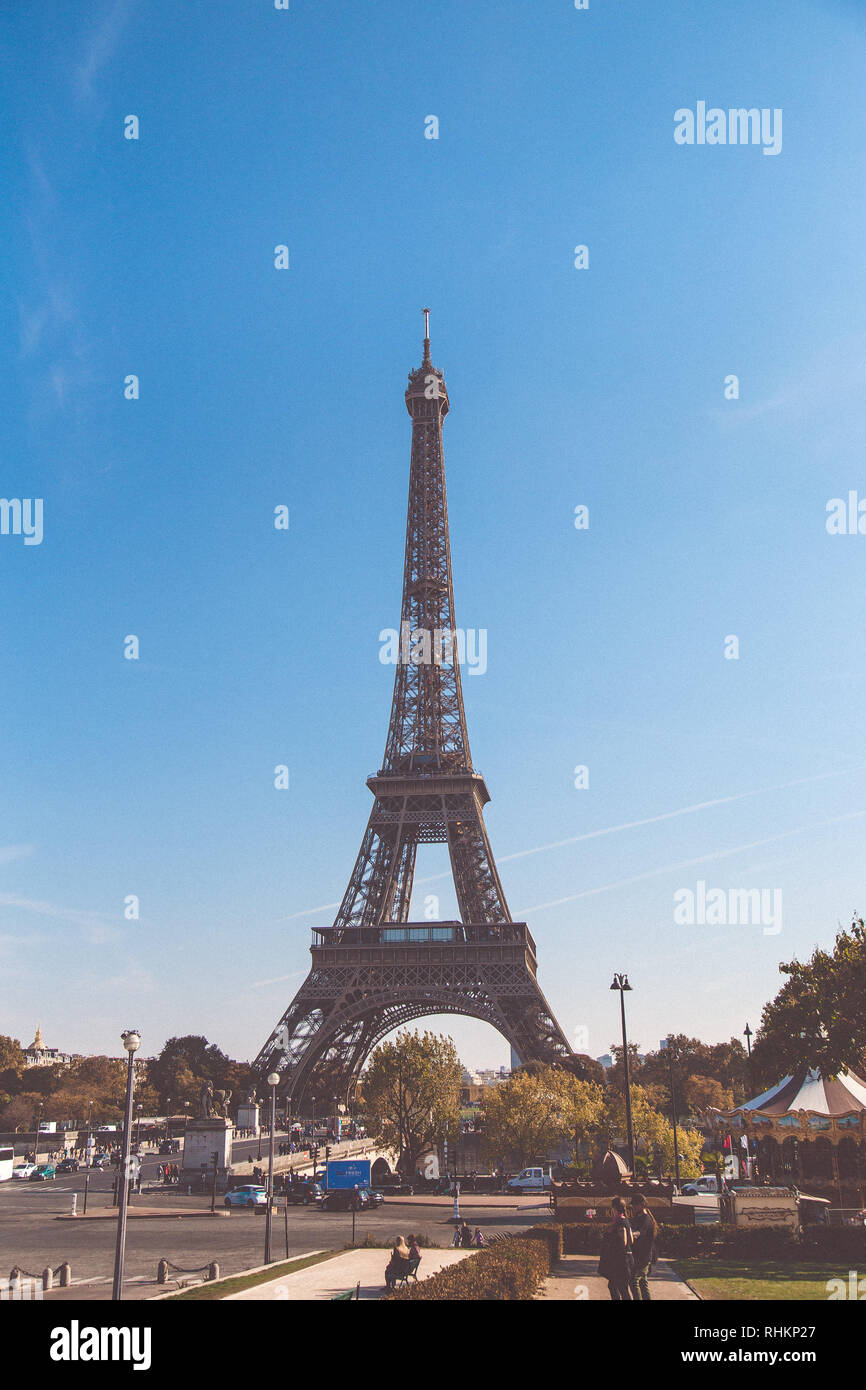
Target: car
(250,1195)
(101,1161)
(709,1183)
(68,1165)
(304,1194)
(24,1170)
(46,1172)
(340,1199)
(530,1180)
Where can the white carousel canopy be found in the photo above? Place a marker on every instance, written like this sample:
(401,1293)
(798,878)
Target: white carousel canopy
(810,1091)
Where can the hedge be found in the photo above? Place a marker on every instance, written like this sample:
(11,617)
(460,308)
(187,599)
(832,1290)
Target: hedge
(509,1269)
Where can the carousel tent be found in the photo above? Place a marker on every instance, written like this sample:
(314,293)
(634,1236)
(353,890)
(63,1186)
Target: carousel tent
(807,1125)
(811,1092)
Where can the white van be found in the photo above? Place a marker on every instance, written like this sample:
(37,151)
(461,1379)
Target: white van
(531,1180)
(699,1186)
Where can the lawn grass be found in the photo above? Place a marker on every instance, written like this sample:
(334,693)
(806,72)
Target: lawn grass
(222,1288)
(717,1278)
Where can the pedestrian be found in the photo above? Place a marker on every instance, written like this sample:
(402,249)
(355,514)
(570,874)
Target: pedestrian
(644,1230)
(479,1238)
(399,1264)
(466,1236)
(616,1263)
(414,1258)
(456,1240)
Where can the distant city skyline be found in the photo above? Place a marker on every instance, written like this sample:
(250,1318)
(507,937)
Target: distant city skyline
(671,709)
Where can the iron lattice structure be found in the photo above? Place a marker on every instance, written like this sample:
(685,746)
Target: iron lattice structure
(373,970)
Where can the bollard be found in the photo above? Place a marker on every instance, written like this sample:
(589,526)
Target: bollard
(65,1274)
(15,1281)
(162,1272)
(213,1270)
(48,1278)
(75,1204)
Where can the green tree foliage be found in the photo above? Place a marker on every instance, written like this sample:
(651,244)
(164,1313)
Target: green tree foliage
(818,1017)
(183,1065)
(535,1112)
(410,1092)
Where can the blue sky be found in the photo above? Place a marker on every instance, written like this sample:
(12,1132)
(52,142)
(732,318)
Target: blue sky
(260,387)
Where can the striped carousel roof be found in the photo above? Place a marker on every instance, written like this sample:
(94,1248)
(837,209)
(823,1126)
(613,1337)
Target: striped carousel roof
(809,1090)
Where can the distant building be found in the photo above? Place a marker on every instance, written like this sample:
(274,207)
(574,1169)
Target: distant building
(38,1055)
(606,1061)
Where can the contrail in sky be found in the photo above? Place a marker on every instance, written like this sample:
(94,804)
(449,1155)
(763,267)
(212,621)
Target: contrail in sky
(615,830)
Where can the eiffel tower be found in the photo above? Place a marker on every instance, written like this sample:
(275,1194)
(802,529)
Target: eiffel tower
(374,970)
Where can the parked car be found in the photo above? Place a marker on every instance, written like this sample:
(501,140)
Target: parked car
(101,1161)
(340,1199)
(248,1196)
(530,1180)
(700,1186)
(24,1170)
(68,1165)
(304,1194)
(46,1172)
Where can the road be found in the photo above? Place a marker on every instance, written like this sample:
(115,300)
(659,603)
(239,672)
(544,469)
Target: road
(32,1236)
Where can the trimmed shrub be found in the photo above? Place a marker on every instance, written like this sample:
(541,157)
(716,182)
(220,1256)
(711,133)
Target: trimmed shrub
(552,1232)
(511,1269)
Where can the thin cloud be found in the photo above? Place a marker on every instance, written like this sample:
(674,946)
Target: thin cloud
(9,853)
(690,863)
(100,47)
(613,830)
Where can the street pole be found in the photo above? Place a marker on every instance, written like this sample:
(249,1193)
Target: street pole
(273,1082)
(747,1034)
(132,1042)
(674,1118)
(621,983)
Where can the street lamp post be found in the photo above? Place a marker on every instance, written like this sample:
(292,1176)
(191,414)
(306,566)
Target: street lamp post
(40,1110)
(670,1052)
(273,1082)
(748,1035)
(132,1042)
(621,983)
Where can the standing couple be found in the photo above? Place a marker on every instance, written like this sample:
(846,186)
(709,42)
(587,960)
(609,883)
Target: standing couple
(628,1251)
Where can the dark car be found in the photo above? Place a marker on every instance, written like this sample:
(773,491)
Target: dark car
(68,1165)
(340,1199)
(304,1194)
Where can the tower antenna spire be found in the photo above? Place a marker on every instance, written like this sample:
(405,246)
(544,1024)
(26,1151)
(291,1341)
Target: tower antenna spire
(426,313)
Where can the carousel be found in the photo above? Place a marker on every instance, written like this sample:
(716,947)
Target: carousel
(808,1128)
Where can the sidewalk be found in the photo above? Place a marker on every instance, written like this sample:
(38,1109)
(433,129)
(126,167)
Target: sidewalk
(574,1277)
(344,1272)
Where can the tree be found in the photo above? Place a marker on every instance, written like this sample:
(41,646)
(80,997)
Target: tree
(535,1112)
(703,1092)
(11,1054)
(183,1065)
(817,1019)
(411,1093)
(653,1131)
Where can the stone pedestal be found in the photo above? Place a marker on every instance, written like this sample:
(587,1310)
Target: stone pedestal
(248,1118)
(203,1139)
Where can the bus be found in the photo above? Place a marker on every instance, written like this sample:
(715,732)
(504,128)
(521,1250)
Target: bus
(7,1158)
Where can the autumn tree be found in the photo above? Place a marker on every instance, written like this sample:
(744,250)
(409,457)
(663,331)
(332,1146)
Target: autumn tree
(410,1092)
(535,1112)
(653,1131)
